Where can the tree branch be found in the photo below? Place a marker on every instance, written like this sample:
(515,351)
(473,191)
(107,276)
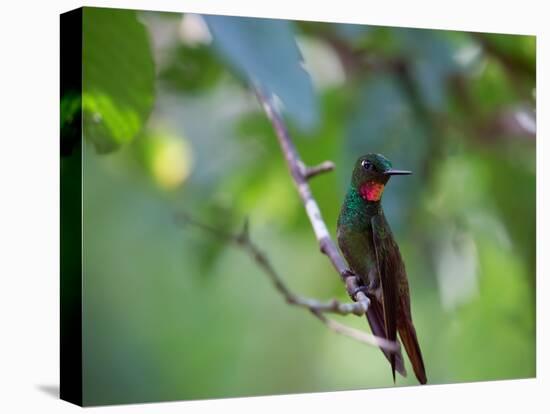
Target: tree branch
(300,176)
(318,309)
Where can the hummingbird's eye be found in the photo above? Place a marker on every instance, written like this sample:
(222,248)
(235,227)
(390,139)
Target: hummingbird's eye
(367,165)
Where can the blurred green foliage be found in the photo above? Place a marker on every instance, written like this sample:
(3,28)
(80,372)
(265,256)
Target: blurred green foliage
(191,69)
(172,313)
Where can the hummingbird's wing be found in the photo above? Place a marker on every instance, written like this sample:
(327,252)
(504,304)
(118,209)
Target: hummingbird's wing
(393,278)
(355,246)
(375,317)
(387,265)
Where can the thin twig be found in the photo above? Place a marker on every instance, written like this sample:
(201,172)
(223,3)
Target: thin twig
(318,309)
(309,172)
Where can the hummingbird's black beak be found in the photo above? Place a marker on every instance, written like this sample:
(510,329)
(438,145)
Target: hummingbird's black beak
(391,171)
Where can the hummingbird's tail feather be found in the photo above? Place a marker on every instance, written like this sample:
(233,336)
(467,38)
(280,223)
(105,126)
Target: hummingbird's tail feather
(375,317)
(408,337)
(392,363)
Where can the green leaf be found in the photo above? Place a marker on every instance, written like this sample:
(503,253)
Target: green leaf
(264,51)
(70,122)
(70,106)
(118,77)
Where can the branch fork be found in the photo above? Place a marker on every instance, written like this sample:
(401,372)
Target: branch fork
(310,172)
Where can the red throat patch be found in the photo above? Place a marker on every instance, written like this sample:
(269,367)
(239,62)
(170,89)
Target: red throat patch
(371,190)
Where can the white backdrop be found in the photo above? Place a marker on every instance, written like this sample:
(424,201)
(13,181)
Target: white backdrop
(29,204)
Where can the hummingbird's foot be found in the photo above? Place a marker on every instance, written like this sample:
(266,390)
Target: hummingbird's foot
(348,272)
(364,289)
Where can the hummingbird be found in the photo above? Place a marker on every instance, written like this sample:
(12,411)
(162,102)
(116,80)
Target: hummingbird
(367,243)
